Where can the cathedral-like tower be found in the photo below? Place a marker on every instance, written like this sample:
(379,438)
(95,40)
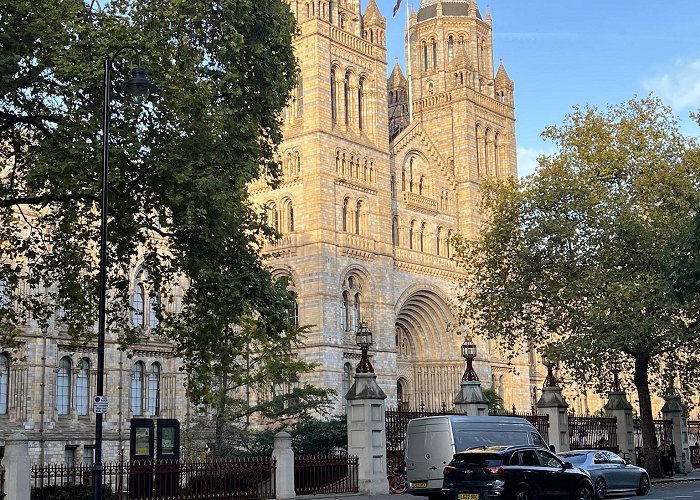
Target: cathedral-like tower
(379,175)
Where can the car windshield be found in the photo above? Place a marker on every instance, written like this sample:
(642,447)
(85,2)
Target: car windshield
(477,460)
(474,439)
(573,458)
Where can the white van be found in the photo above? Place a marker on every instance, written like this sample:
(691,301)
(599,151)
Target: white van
(432,441)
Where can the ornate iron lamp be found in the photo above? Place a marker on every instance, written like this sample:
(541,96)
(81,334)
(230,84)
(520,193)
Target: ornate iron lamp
(550,380)
(363,339)
(616,368)
(469,353)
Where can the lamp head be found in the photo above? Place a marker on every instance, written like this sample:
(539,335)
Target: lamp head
(363,336)
(139,86)
(468,348)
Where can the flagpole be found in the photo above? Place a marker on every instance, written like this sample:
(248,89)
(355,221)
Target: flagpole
(408,66)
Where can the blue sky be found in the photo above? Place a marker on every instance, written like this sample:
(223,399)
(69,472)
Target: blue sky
(597,52)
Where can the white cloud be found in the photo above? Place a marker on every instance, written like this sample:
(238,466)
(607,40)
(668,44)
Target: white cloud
(680,86)
(527,160)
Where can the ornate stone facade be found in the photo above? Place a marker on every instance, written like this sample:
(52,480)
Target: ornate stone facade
(378,176)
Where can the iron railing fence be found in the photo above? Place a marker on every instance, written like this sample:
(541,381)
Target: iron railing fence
(663,431)
(315,475)
(694,440)
(397,422)
(250,478)
(598,433)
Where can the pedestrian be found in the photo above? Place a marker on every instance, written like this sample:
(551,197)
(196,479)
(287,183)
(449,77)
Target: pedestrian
(672,458)
(666,463)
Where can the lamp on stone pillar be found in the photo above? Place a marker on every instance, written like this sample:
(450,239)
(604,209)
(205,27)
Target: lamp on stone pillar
(363,339)
(469,353)
(550,380)
(616,367)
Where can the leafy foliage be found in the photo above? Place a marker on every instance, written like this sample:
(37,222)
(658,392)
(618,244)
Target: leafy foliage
(578,259)
(179,168)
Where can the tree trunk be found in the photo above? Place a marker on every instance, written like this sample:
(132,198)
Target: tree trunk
(220,419)
(652,461)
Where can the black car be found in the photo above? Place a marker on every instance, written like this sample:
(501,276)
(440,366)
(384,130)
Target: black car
(523,472)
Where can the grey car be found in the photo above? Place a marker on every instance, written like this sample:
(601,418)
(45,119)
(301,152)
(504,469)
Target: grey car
(609,472)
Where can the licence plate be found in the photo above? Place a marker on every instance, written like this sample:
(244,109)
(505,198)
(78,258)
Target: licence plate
(468,496)
(421,484)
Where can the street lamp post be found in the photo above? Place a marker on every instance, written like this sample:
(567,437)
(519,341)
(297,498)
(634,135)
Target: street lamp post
(550,380)
(363,339)
(469,353)
(139,86)
(616,368)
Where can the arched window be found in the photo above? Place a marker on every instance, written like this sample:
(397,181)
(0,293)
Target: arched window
(395,231)
(346,97)
(365,172)
(425,56)
(410,234)
(63,385)
(393,187)
(153,305)
(356,312)
(410,175)
(343,165)
(434,54)
(420,185)
(344,312)
(294,312)
(273,216)
(430,88)
(448,243)
(290,217)
(360,103)
(347,378)
(82,388)
(403,180)
(337,161)
(154,390)
(138,302)
(346,215)
(438,240)
(358,218)
(334,109)
(137,375)
(450,47)
(300,95)
(297,163)
(4,382)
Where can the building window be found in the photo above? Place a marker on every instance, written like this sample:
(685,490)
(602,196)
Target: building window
(411,230)
(334,109)
(438,239)
(360,97)
(154,390)
(82,388)
(88,455)
(69,457)
(358,218)
(290,217)
(346,97)
(346,214)
(422,237)
(294,312)
(137,376)
(434,54)
(356,312)
(138,303)
(395,231)
(344,308)
(4,382)
(425,56)
(153,305)
(300,95)
(347,378)
(450,48)
(63,384)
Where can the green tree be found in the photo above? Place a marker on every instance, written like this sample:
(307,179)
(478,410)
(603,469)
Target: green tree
(575,260)
(180,164)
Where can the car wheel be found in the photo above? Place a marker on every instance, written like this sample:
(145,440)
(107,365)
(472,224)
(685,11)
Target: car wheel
(643,485)
(523,495)
(585,492)
(600,488)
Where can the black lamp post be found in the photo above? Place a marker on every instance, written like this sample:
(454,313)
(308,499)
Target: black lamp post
(551,380)
(138,86)
(363,339)
(469,353)
(616,368)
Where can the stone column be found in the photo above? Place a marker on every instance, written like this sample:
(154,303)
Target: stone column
(18,471)
(470,399)
(284,475)
(619,407)
(674,410)
(367,433)
(553,405)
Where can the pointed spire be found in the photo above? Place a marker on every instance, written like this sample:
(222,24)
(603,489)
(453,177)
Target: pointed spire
(472,9)
(488,14)
(502,75)
(396,79)
(373,15)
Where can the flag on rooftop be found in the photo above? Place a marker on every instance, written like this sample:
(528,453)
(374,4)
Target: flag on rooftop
(396,7)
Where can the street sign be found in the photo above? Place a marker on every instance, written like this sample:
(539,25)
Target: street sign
(101,404)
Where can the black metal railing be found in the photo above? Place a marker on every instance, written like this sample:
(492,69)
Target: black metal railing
(314,475)
(146,480)
(599,433)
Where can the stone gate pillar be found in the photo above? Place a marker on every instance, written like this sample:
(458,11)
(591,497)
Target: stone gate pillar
(470,399)
(284,458)
(619,407)
(674,410)
(18,469)
(552,404)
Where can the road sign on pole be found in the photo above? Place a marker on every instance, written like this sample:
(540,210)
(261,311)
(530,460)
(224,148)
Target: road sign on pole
(101,404)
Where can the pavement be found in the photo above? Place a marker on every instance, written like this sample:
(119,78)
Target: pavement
(694,475)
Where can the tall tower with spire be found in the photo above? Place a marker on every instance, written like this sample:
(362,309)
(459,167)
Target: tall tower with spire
(379,176)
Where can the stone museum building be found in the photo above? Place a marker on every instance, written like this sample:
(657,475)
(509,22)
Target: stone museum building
(379,175)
